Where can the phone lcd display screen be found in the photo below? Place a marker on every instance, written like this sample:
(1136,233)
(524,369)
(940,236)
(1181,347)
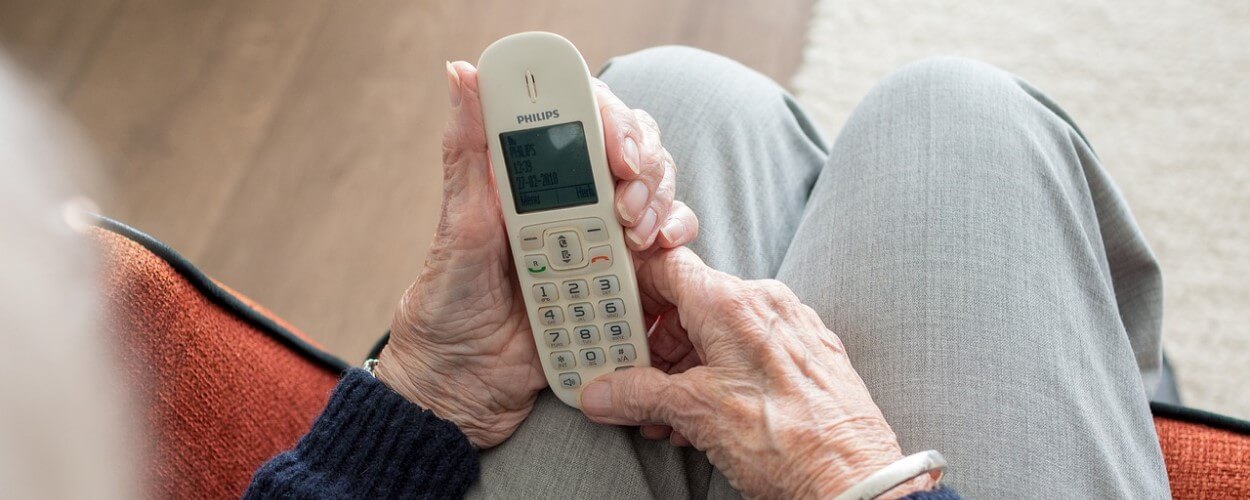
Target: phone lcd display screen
(549,167)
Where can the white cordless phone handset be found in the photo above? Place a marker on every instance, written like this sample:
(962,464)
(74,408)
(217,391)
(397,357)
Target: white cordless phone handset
(556,191)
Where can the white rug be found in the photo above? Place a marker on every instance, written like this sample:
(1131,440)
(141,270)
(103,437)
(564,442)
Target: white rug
(1161,88)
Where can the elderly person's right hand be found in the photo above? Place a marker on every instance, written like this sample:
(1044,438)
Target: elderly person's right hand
(770,394)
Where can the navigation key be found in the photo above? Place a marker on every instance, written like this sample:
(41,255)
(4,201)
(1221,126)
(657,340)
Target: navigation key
(565,249)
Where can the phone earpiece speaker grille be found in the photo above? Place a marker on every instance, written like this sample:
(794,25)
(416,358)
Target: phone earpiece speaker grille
(531,85)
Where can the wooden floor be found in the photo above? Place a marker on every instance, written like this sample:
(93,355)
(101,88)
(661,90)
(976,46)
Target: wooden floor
(290,148)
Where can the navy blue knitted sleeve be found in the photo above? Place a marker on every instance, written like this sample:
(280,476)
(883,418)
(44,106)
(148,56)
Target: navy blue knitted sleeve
(941,493)
(370,442)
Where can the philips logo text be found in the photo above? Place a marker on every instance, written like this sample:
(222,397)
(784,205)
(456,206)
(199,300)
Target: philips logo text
(537,117)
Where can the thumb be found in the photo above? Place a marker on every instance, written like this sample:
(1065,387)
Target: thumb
(630,397)
(469,219)
(466,132)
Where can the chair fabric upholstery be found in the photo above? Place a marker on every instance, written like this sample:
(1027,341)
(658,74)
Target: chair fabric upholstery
(227,385)
(1207,455)
(222,389)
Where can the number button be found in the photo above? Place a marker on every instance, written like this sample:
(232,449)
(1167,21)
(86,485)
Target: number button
(557,338)
(613,308)
(536,264)
(618,330)
(582,312)
(546,293)
(570,380)
(592,357)
(563,360)
(607,285)
(586,335)
(550,316)
(623,353)
(575,289)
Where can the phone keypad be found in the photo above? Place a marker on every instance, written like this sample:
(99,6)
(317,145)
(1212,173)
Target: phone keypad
(623,353)
(570,380)
(607,286)
(546,293)
(612,308)
(563,360)
(581,307)
(592,357)
(559,337)
(600,258)
(591,228)
(582,312)
(586,335)
(551,316)
(564,248)
(575,289)
(617,330)
(536,265)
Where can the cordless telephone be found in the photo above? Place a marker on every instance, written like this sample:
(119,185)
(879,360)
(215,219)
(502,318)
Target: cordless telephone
(556,191)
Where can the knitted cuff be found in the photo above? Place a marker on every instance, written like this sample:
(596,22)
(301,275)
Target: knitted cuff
(370,442)
(939,493)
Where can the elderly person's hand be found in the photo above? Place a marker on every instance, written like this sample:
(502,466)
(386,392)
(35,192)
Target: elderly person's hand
(461,343)
(769,393)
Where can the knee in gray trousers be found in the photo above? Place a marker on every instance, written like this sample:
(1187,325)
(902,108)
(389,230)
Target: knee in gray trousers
(990,284)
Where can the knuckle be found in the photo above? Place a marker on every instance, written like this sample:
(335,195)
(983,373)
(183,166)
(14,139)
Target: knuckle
(636,406)
(744,312)
(807,312)
(666,190)
(625,121)
(832,341)
(653,166)
(646,121)
(725,304)
(778,296)
(664,408)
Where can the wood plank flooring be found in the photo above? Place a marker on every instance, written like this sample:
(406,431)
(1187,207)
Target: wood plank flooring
(290,148)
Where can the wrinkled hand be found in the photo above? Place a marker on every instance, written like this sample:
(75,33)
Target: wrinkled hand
(755,380)
(461,343)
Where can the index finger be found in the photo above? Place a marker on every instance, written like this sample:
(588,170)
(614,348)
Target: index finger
(679,278)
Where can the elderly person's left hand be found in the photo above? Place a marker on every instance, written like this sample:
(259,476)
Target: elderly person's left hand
(461,344)
(769,392)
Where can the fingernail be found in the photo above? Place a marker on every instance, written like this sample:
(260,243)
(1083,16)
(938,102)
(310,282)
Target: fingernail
(639,233)
(631,155)
(453,85)
(633,200)
(674,229)
(597,399)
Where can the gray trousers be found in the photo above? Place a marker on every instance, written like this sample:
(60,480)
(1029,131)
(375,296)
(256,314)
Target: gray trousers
(960,236)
